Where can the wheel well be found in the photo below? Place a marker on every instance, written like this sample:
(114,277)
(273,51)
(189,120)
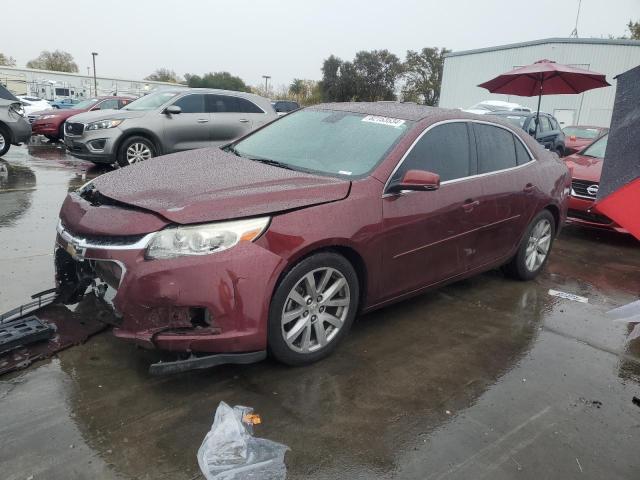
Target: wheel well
(350,254)
(556,215)
(7,130)
(139,133)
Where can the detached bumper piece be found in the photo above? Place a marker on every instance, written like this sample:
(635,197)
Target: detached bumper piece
(23,331)
(208,361)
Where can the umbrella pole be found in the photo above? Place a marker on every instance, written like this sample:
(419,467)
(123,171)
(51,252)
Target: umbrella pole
(538,112)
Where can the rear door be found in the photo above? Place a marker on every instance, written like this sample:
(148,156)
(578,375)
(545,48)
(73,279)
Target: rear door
(508,188)
(546,135)
(427,232)
(232,117)
(189,129)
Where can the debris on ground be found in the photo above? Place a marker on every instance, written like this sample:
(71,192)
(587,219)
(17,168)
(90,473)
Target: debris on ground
(231,452)
(568,296)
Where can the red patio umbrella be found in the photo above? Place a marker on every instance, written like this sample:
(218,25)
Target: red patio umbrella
(545,77)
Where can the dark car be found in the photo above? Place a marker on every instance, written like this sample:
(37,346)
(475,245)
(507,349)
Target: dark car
(282,107)
(280,238)
(578,137)
(50,123)
(549,134)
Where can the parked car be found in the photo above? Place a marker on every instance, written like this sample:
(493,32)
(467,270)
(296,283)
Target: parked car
(282,107)
(549,133)
(65,103)
(14,128)
(165,122)
(491,106)
(577,137)
(30,105)
(278,239)
(586,168)
(51,123)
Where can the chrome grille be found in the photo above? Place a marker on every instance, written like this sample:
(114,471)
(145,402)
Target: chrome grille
(584,189)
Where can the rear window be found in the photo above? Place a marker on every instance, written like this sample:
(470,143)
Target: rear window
(496,150)
(515,120)
(582,132)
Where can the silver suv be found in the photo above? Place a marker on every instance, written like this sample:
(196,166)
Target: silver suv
(164,122)
(14,128)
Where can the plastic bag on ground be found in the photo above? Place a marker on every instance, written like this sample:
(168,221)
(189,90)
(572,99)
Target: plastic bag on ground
(230,452)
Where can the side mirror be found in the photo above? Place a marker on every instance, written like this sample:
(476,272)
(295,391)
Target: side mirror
(173,110)
(417,180)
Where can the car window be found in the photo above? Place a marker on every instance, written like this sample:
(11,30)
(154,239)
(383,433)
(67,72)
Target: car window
(193,103)
(495,148)
(545,125)
(522,156)
(123,102)
(230,104)
(597,149)
(109,104)
(582,132)
(554,124)
(443,150)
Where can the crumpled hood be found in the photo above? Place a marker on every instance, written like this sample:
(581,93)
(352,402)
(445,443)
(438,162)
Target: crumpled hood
(584,168)
(209,185)
(94,115)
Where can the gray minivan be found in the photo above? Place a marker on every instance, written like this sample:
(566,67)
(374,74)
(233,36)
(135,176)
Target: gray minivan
(14,128)
(166,121)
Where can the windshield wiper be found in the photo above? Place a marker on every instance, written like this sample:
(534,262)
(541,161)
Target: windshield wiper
(273,163)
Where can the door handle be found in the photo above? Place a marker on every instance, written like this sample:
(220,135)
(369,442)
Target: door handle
(202,120)
(529,188)
(244,120)
(470,204)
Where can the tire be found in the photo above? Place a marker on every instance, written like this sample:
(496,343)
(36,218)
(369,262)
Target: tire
(60,133)
(320,326)
(5,141)
(540,232)
(127,152)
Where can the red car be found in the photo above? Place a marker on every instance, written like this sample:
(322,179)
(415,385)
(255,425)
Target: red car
(577,137)
(278,239)
(586,168)
(50,123)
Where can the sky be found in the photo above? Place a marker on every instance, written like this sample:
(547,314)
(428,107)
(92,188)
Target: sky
(285,39)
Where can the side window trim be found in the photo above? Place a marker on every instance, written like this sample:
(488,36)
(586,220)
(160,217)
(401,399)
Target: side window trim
(477,175)
(516,138)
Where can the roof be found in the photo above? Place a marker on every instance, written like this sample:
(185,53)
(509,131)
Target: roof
(585,41)
(403,111)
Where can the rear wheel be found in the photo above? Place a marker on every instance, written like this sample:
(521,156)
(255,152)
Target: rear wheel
(534,249)
(5,141)
(135,150)
(313,309)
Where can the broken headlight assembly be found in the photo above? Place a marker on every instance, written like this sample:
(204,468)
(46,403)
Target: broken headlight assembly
(99,125)
(204,239)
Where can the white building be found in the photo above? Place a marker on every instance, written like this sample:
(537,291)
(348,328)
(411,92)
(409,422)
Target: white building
(464,70)
(56,85)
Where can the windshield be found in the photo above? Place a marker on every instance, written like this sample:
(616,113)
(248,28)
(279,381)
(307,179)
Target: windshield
(515,120)
(151,101)
(582,132)
(324,141)
(86,103)
(597,148)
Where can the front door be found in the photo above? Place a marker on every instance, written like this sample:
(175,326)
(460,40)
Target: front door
(189,129)
(427,233)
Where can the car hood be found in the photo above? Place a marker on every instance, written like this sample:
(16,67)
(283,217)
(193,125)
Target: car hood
(94,115)
(64,113)
(584,168)
(209,185)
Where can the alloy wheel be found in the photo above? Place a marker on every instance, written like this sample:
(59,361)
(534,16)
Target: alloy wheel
(138,152)
(3,142)
(315,310)
(538,245)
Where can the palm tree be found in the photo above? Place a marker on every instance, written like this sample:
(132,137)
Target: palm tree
(298,88)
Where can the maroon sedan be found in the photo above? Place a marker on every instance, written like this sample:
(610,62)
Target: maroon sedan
(277,240)
(577,137)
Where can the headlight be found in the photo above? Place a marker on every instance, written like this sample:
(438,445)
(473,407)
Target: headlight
(103,124)
(204,239)
(46,117)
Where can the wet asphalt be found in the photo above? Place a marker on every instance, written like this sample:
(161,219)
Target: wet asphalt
(487,378)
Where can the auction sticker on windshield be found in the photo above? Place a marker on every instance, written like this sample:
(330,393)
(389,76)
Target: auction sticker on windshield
(392,122)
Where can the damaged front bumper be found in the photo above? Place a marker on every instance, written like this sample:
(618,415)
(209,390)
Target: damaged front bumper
(214,303)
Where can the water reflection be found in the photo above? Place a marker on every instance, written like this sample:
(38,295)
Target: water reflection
(17,183)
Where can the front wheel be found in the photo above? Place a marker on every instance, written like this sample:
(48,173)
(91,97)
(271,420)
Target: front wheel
(5,141)
(135,150)
(313,309)
(534,249)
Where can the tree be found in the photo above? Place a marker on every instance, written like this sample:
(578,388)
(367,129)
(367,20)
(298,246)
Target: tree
(221,80)
(7,61)
(423,75)
(164,75)
(298,89)
(330,84)
(57,61)
(634,28)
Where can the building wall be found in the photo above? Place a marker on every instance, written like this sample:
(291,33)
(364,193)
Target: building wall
(43,84)
(464,71)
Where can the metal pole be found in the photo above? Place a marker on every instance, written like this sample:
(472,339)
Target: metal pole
(266,84)
(535,133)
(95,81)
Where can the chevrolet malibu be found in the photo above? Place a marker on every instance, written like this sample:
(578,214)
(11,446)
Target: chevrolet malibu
(276,241)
